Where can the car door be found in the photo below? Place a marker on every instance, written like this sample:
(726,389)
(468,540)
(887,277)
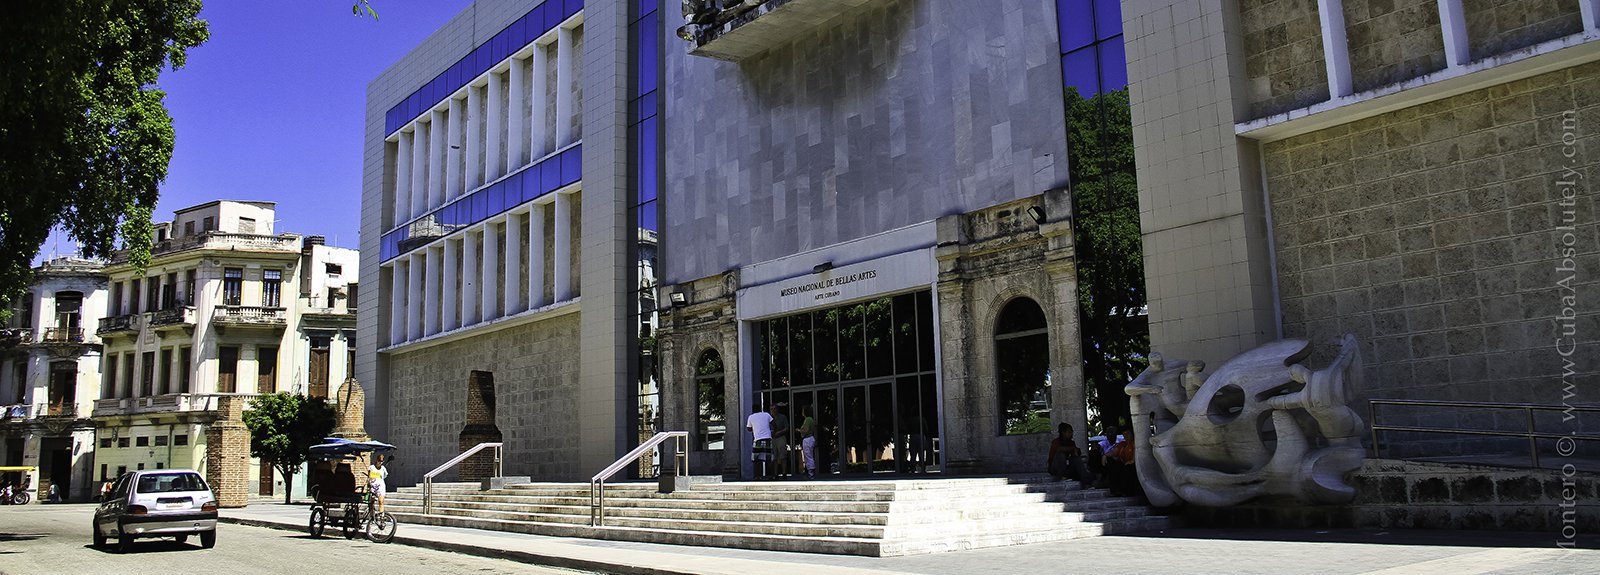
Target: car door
(112,508)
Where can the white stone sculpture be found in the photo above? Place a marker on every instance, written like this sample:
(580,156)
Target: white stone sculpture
(1263,424)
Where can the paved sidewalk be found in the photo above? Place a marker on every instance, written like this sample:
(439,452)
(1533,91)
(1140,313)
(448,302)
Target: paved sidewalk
(1231,552)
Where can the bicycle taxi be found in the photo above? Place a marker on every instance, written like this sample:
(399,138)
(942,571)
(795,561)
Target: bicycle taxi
(14,484)
(340,500)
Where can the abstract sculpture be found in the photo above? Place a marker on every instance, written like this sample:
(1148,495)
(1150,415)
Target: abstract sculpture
(1263,424)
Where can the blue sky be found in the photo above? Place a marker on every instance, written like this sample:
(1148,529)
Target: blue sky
(272,107)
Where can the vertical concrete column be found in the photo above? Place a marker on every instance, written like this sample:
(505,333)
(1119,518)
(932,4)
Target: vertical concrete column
(419,170)
(176,367)
(157,385)
(431,300)
(402,181)
(562,290)
(495,153)
(397,302)
(414,297)
(436,141)
(1453,24)
(513,287)
(517,128)
(474,148)
(452,155)
(469,279)
(564,68)
(536,256)
(450,318)
(1335,47)
(537,126)
(491,272)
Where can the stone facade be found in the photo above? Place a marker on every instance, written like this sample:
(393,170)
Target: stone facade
(987,259)
(535,378)
(1433,234)
(893,114)
(1283,43)
(1392,40)
(1499,26)
(709,321)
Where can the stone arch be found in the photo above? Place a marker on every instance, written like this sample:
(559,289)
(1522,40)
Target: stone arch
(1020,333)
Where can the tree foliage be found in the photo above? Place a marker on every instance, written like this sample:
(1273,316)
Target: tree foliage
(84,135)
(1110,250)
(283,427)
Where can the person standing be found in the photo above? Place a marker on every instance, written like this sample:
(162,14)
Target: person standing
(760,426)
(780,440)
(377,477)
(808,442)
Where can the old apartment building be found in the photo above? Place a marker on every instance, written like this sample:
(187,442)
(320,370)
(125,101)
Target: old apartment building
(50,378)
(227,309)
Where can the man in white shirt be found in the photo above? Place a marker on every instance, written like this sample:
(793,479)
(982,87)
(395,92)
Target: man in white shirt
(760,426)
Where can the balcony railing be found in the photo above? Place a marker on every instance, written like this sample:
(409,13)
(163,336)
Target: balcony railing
(165,403)
(175,316)
(116,324)
(18,411)
(63,335)
(60,410)
(251,315)
(221,241)
(15,335)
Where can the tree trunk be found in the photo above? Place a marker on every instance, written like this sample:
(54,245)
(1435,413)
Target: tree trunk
(288,485)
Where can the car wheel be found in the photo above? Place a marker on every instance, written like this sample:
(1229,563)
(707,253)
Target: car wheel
(99,537)
(208,539)
(125,544)
(181,538)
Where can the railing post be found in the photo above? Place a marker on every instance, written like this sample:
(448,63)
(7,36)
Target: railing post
(1372,422)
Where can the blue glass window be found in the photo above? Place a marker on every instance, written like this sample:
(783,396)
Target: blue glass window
(645,135)
(1107,19)
(1113,65)
(1076,19)
(649,32)
(1080,69)
(572,165)
(647,216)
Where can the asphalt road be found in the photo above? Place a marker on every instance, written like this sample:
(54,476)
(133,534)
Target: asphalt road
(56,540)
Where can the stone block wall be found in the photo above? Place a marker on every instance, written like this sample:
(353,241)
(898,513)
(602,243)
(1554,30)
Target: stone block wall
(1412,495)
(1392,40)
(535,369)
(1284,63)
(1435,234)
(1498,26)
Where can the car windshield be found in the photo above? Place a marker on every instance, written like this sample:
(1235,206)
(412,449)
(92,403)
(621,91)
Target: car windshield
(171,483)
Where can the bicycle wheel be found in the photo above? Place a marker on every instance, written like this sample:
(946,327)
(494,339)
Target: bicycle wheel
(21,498)
(319,521)
(380,529)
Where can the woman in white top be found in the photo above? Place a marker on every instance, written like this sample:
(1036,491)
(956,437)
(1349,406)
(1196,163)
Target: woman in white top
(375,479)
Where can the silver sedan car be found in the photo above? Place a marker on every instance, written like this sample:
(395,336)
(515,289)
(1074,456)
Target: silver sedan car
(173,503)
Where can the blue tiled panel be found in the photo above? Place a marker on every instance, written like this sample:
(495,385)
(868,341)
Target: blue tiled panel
(532,25)
(554,173)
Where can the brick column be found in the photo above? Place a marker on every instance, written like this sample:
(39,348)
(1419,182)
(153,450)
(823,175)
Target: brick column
(228,454)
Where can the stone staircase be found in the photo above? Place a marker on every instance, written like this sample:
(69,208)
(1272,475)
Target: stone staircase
(872,517)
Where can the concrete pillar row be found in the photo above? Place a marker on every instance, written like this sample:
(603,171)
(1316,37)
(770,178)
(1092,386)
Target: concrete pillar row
(414,297)
(402,180)
(490,285)
(563,248)
(538,127)
(419,170)
(454,184)
(470,313)
(474,147)
(431,295)
(536,257)
(450,318)
(564,70)
(397,302)
(513,288)
(516,124)
(494,161)
(436,152)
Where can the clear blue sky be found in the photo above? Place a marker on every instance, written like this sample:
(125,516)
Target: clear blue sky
(272,107)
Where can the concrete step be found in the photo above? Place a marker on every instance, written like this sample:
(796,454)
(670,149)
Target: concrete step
(829,545)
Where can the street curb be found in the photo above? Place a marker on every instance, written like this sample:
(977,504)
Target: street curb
(538,559)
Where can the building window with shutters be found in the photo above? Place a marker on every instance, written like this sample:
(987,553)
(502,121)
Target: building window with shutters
(271,288)
(232,286)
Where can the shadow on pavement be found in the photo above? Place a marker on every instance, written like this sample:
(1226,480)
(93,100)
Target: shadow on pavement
(1423,537)
(21,536)
(148,546)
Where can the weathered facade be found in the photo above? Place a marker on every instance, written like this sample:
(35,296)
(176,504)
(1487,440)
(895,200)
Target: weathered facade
(50,378)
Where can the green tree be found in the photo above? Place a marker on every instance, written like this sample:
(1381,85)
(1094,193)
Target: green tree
(283,427)
(1110,250)
(84,135)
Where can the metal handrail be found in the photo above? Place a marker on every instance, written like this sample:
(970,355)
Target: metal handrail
(1533,435)
(597,484)
(427,479)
